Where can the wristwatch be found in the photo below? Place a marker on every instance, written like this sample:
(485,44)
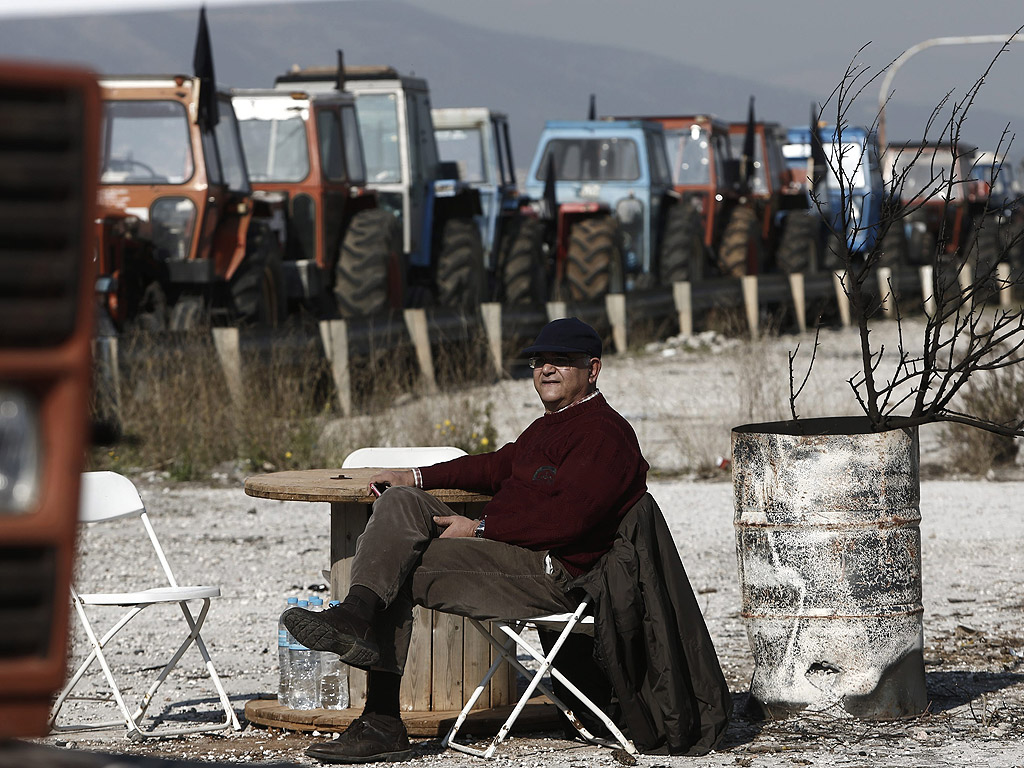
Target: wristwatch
(479,532)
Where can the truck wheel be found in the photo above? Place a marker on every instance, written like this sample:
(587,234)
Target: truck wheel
(460,265)
(258,295)
(188,313)
(371,247)
(682,246)
(594,263)
(740,235)
(799,244)
(524,277)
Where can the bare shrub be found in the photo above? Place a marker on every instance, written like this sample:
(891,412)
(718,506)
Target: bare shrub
(966,331)
(177,414)
(998,397)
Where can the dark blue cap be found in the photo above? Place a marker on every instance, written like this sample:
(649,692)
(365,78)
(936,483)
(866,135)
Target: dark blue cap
(566,335)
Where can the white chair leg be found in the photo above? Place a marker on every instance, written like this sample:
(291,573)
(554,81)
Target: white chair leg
(229,711)
(507,651)
(449,739)
(132,719)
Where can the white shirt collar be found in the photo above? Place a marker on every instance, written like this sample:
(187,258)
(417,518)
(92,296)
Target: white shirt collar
(591,396)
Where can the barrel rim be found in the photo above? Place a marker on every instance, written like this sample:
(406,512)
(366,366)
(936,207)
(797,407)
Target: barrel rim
(823,426)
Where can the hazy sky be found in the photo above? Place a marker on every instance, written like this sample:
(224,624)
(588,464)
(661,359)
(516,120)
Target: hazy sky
(804,44)
(799,43)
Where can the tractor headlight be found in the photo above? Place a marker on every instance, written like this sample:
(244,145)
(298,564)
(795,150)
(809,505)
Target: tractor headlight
(19,452)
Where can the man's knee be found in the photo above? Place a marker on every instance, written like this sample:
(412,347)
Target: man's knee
(402,502)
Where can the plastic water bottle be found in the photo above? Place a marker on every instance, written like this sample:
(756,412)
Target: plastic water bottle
(284,640)
(302,693)
(333,678)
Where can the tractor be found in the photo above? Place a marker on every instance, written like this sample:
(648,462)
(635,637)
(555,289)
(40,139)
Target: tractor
(858,186)
(342,251)
(604,217)
(437,212)
(769,197)
(947,208)
(180,239)
(476,140)
(706,176)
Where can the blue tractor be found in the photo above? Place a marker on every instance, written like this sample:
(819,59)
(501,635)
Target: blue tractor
(851,156)
(605,217)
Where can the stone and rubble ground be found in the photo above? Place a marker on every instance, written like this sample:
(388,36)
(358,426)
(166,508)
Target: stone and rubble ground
(682,399)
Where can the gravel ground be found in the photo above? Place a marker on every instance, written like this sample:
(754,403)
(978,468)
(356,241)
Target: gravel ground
(682,398)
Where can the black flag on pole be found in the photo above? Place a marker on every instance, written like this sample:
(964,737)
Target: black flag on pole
(340,83)
(747,160)
(202,65)
(819,162)
(550,203)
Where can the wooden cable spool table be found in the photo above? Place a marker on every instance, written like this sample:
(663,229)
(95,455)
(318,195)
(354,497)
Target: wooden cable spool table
(445,660)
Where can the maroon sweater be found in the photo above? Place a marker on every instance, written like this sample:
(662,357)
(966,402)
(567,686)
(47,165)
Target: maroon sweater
(563,486)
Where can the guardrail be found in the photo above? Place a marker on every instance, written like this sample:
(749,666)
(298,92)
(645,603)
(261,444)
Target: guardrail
(426,329)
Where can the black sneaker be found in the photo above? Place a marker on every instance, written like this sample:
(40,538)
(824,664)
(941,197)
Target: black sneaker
(371,738)
(336,631)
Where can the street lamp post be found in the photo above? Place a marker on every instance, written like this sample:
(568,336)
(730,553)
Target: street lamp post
(883,91)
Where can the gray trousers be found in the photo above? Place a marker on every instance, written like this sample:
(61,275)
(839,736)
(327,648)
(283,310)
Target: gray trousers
(400,558)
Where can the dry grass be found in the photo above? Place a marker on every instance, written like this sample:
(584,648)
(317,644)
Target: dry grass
(176,412)
(996,395)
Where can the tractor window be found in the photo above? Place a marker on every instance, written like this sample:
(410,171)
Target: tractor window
(928,172)
(759,185)
(378,125)
(689,156)
(229,144)
(332,157)
(146,142)
(611,159)
(353,145)
(722,154)
(465,147)
(659,161)
(275,147)
(422,144)
(851,160)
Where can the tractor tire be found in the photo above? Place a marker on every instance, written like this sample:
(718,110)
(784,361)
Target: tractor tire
(682,245)
(523,276)
(1011,247)
(921,247)
(741,234)
(361,275)
(984,248)
(188,314)
(799,243)
(460,265)
(258,297)
(895,249)
(152,316)
(594,262)
(836,253)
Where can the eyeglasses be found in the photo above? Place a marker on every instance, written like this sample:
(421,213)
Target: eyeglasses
(558,361)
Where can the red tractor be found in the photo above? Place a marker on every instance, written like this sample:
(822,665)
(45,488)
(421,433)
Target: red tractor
(180,239)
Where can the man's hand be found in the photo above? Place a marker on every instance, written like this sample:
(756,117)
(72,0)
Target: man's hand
(456,526)
(392,477)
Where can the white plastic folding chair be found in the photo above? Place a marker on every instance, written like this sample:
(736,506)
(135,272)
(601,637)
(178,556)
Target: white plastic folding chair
(107,496)
(401,456)
(508,638)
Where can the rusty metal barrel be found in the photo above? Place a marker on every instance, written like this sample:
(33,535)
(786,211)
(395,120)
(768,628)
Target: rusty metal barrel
(828,542)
